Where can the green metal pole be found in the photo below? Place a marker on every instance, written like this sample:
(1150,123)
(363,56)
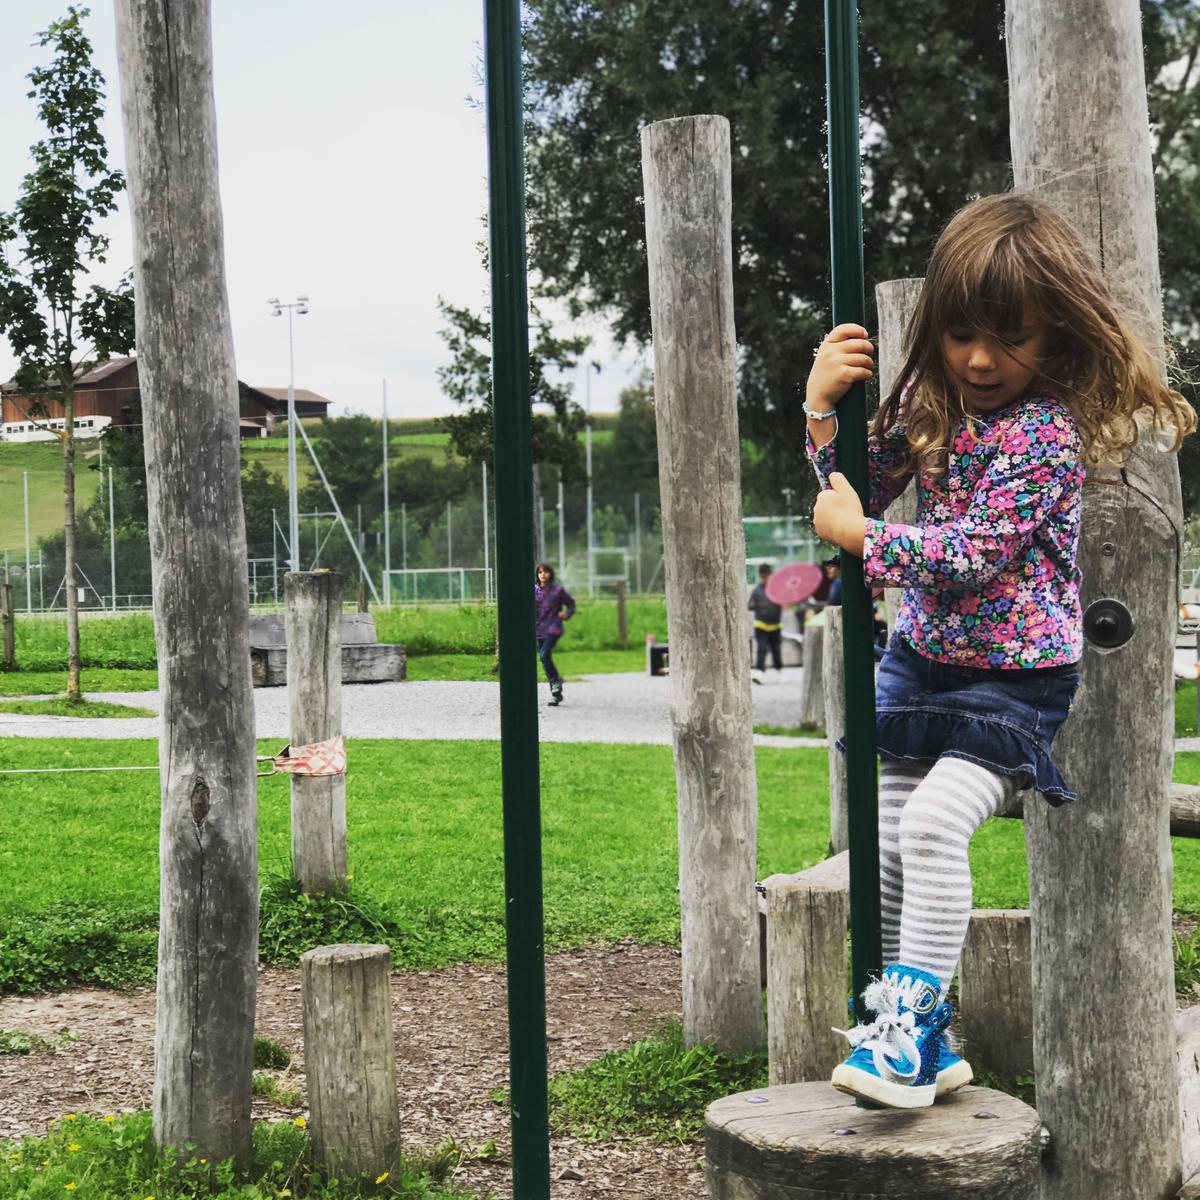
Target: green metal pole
(514,568)
(849,305)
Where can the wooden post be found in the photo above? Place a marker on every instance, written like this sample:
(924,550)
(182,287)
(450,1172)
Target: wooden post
(1100,870)
(313,621)
(895,302)
(812,693)
(807,918)
(8,630)
(834,677)
(208,915)
(685,165)
(363,605)
(995,992)
(349,1059)
(622,617)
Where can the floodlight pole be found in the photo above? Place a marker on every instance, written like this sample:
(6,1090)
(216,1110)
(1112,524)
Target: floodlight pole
(300,304)
(512,441)
(849,305)
(387,524)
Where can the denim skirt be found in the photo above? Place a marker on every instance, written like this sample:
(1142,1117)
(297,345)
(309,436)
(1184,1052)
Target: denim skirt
(1004,720)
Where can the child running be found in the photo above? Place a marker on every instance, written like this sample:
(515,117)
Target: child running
(1019,372)
(552,605)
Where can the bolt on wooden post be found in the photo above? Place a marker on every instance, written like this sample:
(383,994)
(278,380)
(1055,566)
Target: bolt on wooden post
(313,625)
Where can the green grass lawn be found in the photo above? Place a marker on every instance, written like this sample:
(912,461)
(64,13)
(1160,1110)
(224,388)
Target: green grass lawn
(43,461)
(60,706)
(425,841)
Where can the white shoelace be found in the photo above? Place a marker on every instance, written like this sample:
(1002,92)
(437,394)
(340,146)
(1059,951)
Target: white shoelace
(891,1037)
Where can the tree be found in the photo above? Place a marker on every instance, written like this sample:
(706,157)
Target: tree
(53,325)
(349,450)
(467,380)
(934,100)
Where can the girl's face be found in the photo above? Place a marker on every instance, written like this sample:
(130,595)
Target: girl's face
(543,576)
(991,373)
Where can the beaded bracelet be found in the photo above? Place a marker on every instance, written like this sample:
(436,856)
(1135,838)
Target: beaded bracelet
(812,414)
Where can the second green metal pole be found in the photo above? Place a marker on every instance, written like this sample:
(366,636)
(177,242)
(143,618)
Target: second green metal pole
(849,305)
(514,570)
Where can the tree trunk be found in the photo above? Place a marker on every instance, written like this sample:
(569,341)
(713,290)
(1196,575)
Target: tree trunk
(685,165)
(69,574)
(1100,870)
(208,936)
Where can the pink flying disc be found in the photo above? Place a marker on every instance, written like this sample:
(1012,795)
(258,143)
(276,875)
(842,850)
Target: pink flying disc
(794,583)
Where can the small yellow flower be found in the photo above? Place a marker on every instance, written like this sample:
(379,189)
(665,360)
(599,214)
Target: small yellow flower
(69,1117)
(109,1119)
(285,1192)
(300,1122)
(381,1178)
(74,1146)
(45,1162)
(204,1160)
(70,1186)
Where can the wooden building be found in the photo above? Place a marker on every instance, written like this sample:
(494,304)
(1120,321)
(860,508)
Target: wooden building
(107,395)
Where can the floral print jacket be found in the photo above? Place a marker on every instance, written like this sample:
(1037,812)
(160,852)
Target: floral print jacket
(989,568)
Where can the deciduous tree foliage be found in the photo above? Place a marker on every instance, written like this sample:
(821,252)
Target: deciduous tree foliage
(935,127)
(50,240)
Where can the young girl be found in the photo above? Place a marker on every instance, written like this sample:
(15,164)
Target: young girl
(552,606)
(1019,371)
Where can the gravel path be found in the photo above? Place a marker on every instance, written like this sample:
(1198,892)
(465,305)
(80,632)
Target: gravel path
(597,708)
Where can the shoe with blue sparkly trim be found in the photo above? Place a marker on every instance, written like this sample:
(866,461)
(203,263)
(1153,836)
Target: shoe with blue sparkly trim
(895,1060)
(953,1070)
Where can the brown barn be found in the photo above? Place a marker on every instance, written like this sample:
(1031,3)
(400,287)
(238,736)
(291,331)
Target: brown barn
(104,396)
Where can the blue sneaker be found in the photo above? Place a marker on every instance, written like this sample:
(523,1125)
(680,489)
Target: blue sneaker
(896,1060)
(953,1071)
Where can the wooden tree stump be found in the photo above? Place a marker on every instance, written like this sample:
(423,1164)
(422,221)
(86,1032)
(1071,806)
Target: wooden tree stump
(807,916)
(349,1060)
(812,695)
(996,992)
(833,674)
(807,1141)
(312,615)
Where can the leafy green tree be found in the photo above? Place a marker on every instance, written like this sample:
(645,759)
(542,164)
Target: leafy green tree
(467,380)
(54,323)
(263,494)
(349,449)
(934,101)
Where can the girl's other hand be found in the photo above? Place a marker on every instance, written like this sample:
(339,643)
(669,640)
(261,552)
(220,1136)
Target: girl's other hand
(844,357)
(838,515)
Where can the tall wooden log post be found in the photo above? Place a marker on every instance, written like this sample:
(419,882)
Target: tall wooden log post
(8,629)
(895,302)
(208,931)
(313,625)
(1100,871)
(685,166)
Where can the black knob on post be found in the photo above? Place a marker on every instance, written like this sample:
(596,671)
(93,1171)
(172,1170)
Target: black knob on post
(1107,623)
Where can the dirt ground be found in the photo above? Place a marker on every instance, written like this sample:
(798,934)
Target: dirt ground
(451,1053)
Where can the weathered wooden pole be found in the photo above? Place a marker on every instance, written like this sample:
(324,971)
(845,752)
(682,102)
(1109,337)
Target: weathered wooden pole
(686,172)
(349,1059)
(208,923)
(833,680)
(1100,870)
(8,629)
(313,623)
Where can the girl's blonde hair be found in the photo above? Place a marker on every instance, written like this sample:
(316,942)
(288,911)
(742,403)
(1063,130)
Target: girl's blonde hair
(1000,260)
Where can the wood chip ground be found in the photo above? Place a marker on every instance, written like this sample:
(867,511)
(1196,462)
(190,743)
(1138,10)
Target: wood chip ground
(451,1055)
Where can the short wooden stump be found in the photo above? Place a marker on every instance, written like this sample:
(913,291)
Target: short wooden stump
(807,1141)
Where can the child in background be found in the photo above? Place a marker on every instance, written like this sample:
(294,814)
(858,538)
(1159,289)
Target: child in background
(1019,371)
(552,606)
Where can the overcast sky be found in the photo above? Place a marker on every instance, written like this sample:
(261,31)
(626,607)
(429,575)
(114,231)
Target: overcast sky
(353,170)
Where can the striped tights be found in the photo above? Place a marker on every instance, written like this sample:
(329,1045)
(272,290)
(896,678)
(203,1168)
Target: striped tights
(927,815)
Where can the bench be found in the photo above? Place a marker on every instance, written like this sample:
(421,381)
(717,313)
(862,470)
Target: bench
(364,660)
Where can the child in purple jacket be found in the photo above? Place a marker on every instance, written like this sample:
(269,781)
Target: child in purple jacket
(552,605)
(1019,370)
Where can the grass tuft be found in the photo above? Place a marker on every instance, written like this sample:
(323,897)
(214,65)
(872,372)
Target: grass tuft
(273,1089)
(114,1158)
(655,1088)
(14,1041)
(60,706)
(270,1056)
